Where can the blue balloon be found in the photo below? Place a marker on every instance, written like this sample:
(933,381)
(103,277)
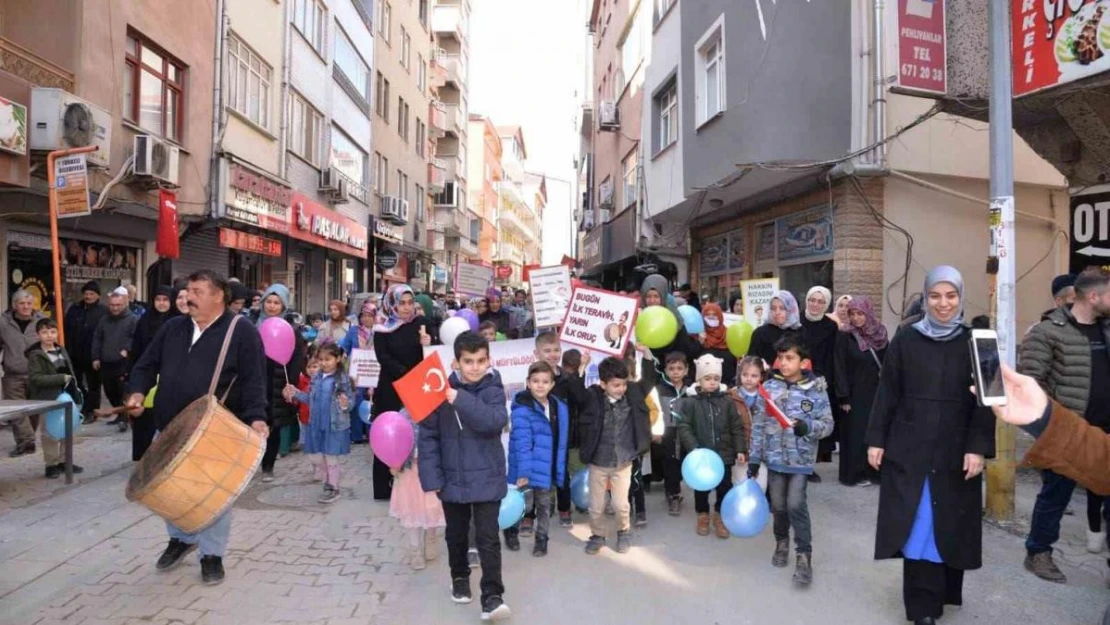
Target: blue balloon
(703,469)
(744,509)
(512,509)
(56,419)
(580,489)
(691,319)
(364,411)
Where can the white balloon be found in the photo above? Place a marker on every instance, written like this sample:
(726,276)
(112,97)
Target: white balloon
(451,329)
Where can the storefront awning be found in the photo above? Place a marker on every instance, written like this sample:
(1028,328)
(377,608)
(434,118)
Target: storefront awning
(749,190)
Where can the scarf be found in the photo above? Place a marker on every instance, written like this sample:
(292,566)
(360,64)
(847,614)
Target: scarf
(842,323)
(749,397)
(929,325)
(873,333)
(792,316)
(389,309)
(366,334)
(714,337)
(824,293)
(282,293)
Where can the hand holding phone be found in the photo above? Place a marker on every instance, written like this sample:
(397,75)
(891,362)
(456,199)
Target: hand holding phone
(987,368)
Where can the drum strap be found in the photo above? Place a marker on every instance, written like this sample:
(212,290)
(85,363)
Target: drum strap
(220,363)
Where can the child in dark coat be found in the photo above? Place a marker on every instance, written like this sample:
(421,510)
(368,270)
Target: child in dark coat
(50,373)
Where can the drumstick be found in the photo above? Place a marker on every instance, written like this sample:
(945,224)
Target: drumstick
(99,412)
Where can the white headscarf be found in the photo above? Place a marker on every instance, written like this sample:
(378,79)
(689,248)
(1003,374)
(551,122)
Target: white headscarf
(825,293)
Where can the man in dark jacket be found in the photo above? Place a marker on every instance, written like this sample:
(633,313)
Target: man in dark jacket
(17,334)
(80,323)
(1067,355)
(463,461)
(186,350)
(111,349)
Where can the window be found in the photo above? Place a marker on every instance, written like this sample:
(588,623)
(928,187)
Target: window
(400,184)
(421,137)
(402,118)
(421,198)
(309,19)
(154,89)
(631,186)
(385,22)
(709,64)
(248,82)
(661,8)
(475,230)
(351,64)
(424,13)
(406,49)
(347,157)
(631,51)
(666,116)
(421,73)
(381,101)
(305,125)
(381,167)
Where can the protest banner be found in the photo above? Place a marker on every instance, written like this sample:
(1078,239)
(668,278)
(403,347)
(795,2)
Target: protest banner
(363,368)
(550,294)
(757,298)
(472,280)
(600,320)
(731,318)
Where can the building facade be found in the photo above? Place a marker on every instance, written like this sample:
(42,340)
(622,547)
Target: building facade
(485,173)
(517,223)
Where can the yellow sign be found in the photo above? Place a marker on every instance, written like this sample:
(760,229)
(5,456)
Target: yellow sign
(71,186)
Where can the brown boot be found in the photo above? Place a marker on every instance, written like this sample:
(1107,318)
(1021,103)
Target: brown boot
(703,524)
(719,526)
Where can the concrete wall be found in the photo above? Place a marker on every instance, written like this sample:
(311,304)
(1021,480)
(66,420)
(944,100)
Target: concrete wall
(663,171)
(257,23)
(345,112)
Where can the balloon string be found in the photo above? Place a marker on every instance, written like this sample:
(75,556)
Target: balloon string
(285,368)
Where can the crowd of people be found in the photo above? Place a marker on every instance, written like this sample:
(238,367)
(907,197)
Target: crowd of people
(825,378)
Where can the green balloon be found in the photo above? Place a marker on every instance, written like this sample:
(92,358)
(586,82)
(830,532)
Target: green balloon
(656,327)
(739,338)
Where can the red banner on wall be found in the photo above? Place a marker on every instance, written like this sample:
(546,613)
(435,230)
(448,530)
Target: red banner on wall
(922,52)
(1058,42)
(167,245)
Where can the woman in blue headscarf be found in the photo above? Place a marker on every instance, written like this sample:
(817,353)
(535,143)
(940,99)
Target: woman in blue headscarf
(931,440)
(280,414)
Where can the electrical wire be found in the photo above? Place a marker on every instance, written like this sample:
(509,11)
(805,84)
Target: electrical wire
(889,225)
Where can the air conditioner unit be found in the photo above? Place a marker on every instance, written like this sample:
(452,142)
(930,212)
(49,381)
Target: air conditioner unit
(342,192)
(156,158)
(329,180)
(63,120)
(605,193)
(391,210)
(609,117)
(603,215)
(404,210)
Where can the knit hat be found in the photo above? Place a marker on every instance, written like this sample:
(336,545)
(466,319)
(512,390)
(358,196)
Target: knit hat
(708,365)
(94,286)
(239,291)
(1062,282)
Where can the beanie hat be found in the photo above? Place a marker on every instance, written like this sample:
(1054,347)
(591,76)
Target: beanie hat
(91,285)
(1062,282)
(708,365)
(239,291)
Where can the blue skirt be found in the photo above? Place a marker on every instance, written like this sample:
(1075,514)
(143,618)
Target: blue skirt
(922,543)
(319,438)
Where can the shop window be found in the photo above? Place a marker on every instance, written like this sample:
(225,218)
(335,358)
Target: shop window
(248,82)
(154,88)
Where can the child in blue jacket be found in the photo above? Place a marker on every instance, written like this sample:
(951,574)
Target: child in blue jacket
(538,445)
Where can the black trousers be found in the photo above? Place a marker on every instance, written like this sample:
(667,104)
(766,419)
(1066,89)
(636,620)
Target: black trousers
(142,435)
(114,377)
(701,497)
(383,482)
(89,381)
(458,517)
(273,443)
(636,487)
(671,462)
(927,587)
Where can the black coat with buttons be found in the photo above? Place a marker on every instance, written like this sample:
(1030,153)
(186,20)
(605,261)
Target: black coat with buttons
(926,420)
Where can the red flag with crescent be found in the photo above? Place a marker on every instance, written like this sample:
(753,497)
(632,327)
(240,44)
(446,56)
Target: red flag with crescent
(423,389)
(773,409)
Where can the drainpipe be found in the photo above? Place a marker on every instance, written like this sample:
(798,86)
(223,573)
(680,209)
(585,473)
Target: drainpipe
(217,111)
(878,76)
(287,46)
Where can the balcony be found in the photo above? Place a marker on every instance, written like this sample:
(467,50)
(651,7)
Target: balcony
(449,20)
(456,168)
(437,69)
(19,61)
(509,253)
(437,174)
(451,196)
(456,69)
(437,119)
(468,247)
(456,119)
(453,223)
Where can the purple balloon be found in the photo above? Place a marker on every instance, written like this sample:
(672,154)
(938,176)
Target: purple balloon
(392,438)
(471,318)
(277,339)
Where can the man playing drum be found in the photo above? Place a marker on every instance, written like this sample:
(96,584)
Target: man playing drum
(186,350)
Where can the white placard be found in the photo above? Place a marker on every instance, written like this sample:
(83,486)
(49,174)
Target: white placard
(600,320)
(364,368)
(732,318)
(757,296)
(472,280)
(550,294)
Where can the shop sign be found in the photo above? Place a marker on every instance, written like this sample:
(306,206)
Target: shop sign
(1089,243)
(400,273)
(805,236)
(440,274)
(592,248)
(922,51)
(13,127)
(318,224)
(71,186)
(258,201)
(504,272)
(245,242)
(87,260)
(387,232)
(388,259)
(1058,41)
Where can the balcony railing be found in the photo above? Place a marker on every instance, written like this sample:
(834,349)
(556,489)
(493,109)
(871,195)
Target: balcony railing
(468,246)
(437,119)
(456,69)
(437,174)
(456,119)
(449,20)
(17,60)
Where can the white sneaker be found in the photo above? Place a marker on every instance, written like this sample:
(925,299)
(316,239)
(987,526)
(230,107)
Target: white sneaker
(1096,541)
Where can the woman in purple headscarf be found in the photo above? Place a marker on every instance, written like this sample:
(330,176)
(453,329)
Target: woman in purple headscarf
(858,360)
(496,313)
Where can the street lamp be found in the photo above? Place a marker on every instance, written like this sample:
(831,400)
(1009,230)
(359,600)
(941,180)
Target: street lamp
(570,212)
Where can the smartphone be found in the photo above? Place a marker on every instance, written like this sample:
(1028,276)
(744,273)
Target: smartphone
(988,368)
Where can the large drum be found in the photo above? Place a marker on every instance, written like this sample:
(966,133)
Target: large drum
(198,466)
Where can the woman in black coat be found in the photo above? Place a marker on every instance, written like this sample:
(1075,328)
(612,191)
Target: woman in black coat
(782,316)
(859,358)
(819,335)
(281,415)
(399,345)
(142,430)
(931,439)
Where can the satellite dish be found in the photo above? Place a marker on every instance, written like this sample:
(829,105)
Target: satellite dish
(78,127)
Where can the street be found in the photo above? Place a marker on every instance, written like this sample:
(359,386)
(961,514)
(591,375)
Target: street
(83,555)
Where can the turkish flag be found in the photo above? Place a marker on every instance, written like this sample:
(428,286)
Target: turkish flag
(423,389)
(568,261)
(168,244)
(774,410)
(527,272)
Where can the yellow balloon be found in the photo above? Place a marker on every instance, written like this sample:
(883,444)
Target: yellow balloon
(739,338)
(148,402)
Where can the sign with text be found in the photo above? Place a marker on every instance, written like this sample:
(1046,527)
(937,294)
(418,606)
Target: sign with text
(258,201)
(922,52)
(1058,41)
(600,320)
(71,186)
(550,294)
(244,242)
(363,368)
(316,223)
(472,280)
(757,298)
(1090,231)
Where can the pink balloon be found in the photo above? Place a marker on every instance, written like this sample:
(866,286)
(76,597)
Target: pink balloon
(277,339)
(392,438)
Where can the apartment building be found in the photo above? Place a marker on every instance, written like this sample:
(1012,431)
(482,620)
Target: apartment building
(485,173)
(401,151)
(517,222)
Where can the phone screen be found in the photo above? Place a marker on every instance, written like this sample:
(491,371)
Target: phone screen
(990,365)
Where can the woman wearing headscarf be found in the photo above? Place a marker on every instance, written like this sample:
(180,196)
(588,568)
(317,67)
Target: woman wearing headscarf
(819,334)
(713,341)
(782,316)
(654,292)
(163,308)
(433,318)
(399,341)
(495,312)
(840,312)
(860,351)
(931,439)
(280,414)
(361,336)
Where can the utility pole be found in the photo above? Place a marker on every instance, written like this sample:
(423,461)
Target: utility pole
(1000,262)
